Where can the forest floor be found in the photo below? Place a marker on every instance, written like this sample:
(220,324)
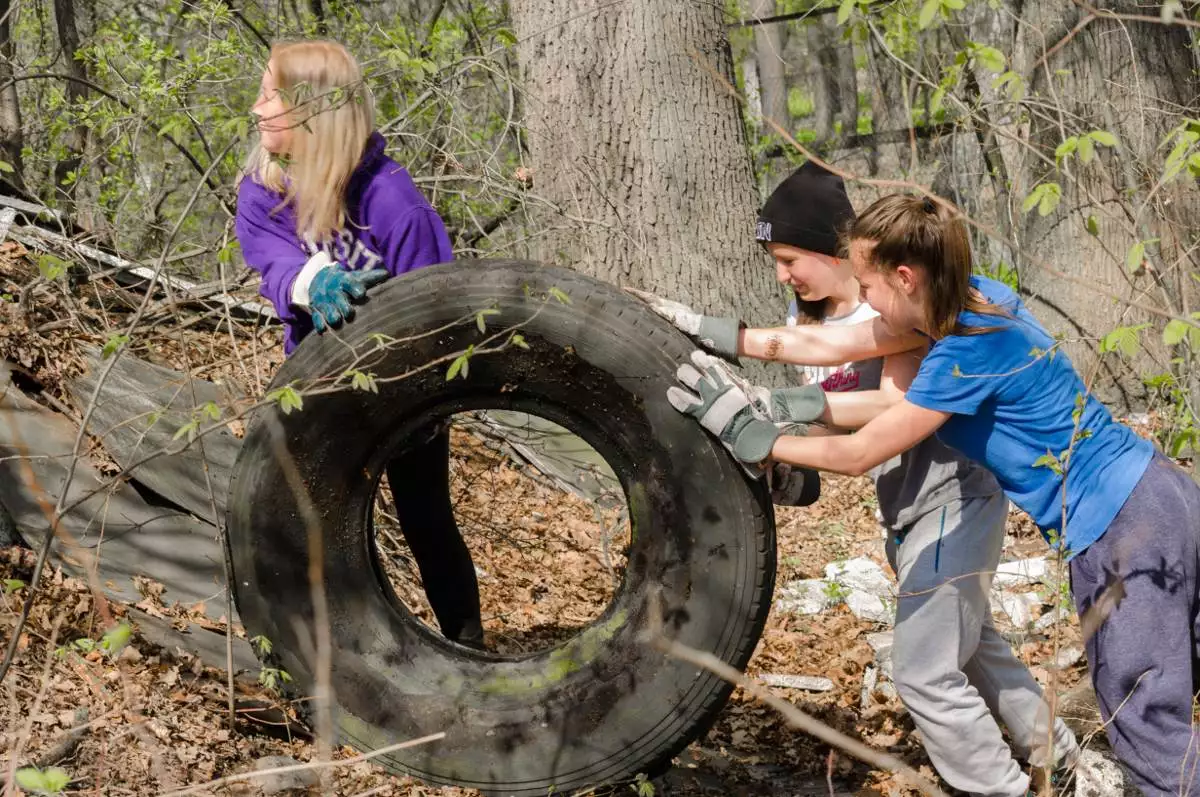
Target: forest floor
(151,721)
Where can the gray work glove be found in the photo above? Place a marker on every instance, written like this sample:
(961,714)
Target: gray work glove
(717,335)
(718,400)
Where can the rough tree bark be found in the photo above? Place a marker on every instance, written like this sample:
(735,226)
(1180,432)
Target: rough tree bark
(768,54)
(11,138)
(77,93)
(1135,80)
(641,152)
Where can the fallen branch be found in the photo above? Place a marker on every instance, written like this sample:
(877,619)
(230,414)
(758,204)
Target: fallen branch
(794,716)
(358,759)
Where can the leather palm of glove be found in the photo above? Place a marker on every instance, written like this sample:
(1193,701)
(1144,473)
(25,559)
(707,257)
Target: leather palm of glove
(717,335)
(334,291)
(748,419)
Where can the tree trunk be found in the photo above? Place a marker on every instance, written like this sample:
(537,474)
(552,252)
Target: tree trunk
(11,139)
(641,152)
(77,93)
(1122,78)
(768,53)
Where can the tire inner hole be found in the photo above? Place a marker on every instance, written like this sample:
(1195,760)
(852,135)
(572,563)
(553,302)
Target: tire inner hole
(543,516)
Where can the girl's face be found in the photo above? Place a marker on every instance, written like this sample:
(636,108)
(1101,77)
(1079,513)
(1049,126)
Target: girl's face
(813,276)
(897,296)
(274,130)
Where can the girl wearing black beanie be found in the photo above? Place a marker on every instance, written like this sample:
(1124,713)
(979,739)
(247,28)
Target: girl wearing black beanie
(943,515)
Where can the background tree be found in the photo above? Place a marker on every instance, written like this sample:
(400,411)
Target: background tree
(640,152)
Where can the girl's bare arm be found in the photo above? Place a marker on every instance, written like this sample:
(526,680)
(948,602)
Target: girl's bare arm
(825,344)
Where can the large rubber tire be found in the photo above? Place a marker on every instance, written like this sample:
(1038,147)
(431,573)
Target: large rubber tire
(603,706)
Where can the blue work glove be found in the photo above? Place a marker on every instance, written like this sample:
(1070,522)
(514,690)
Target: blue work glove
(722,404)
(333,291)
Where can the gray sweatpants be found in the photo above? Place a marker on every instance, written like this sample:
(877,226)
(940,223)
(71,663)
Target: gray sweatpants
(956,675)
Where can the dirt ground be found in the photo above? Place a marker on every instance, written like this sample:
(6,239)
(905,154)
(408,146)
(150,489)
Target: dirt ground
(158,722)
(149,721)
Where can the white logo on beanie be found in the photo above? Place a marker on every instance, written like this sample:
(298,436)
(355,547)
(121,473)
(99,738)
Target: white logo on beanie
(762,230)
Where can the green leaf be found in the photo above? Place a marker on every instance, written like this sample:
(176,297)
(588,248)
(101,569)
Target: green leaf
(1176,331)
(111,345)
(461,364)
(187,430)
(360,380)
(561,297)
(1034,197)
(506,37)
(116,638)
(1136,256)
(928,11)
(954,5)
(1012,82)
(935,102)
(1050,461)
(1093,225)
(5,166)
(482,315)
(262,644)
(211,410)
(1103,138)
(845,10)
(1050,198)
(518,339)
(287,398)
(1086,150)
(990,59)
(51,267)
(1066,148)
(1122,339)
(11,585)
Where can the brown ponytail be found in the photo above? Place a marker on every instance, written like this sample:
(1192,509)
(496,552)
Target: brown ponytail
(916,231)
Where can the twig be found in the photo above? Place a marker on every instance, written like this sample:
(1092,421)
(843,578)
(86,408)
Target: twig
(795,717)
(358,759)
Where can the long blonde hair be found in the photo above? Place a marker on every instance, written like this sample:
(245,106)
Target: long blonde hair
(916,231)
(332,114)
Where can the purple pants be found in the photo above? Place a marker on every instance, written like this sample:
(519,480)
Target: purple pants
(1142,657)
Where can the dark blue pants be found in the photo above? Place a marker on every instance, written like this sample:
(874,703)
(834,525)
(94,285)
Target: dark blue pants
(1142,657)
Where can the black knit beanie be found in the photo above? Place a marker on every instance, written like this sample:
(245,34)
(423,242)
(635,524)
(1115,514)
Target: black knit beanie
(808,210)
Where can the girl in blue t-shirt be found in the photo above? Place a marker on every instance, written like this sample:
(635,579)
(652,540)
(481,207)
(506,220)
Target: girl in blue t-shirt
(995,386)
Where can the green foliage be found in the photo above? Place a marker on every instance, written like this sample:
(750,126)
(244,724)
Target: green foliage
(362,380)
(1045,197)
(460,365)
(836,592)
(932,10)
(1124,340)
(273,678)
(642,785)
(800,102)
(112,345)
(261,645)
(1001,272)
(11,585)
(287,398)
(52,780)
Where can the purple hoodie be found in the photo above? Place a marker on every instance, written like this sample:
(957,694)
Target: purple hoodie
(390,225)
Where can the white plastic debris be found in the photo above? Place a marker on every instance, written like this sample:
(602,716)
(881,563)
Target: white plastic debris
(1017,607)
(805,596)
(882,643)
(1098,775)
(867,606)
(860,574)
(809,683)
(1022,572)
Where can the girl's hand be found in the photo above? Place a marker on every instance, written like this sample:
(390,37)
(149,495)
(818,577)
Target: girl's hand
(333,292)
(717,400)
(717,335)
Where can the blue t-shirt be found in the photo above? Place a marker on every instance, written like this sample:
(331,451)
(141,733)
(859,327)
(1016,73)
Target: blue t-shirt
(1013,398)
